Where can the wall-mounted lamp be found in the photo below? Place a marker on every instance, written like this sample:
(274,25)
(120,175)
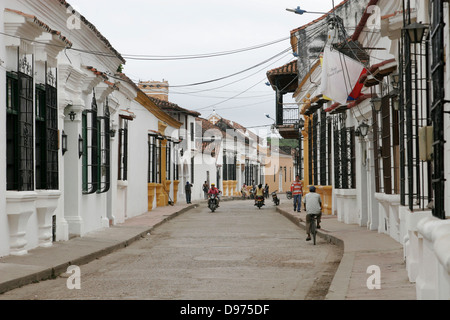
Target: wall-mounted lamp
(396,103)
(376,104)
(301,123)
(395,99)
(416,31)
(72,115)
(363,129)
(64,142)
(80,146)
(112,133)
(395,80)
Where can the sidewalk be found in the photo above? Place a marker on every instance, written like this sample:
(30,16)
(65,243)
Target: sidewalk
(362,248)
(46,263)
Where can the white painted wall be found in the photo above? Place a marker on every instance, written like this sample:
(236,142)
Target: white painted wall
(4,230)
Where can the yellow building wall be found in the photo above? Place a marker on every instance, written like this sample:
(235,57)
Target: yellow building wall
(273,164)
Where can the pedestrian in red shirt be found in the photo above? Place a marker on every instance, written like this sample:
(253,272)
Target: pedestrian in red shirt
(297,192)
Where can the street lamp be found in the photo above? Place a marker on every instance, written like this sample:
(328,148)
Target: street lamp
(268,116)
(301,11)
(416,32)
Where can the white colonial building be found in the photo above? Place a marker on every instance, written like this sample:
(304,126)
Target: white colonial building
(379,154)
(75,130)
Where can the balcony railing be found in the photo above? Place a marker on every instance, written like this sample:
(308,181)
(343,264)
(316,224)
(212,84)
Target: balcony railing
(288,116)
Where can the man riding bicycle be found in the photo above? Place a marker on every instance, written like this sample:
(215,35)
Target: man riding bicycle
(313,206)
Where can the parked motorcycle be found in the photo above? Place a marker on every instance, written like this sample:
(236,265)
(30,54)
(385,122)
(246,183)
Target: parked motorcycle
(289,195)
(259,201)
(275,198)
(212,202)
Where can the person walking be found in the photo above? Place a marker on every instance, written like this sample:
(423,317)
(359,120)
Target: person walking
(297,192)
(205,190)
(313,205)
(188,189)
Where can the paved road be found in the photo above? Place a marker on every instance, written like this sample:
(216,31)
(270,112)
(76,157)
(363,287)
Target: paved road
(237,252)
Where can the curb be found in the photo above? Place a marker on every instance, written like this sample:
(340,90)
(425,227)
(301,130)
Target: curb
(298,222)
(341,279)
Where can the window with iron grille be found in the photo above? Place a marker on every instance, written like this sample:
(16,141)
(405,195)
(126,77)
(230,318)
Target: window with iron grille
(386,145)
(225,167)
(438,44)
(330,150)
(310,151)
(41,137)
(315,149)
(154,159)
(90,155)
(46,142)
(51,103)
(176,167)
(192,131)
(344,154)
(12,132)
(376,151)
(420,63)
(234,167)
(104,142)
(248,173)
(299,158)
(20,126)
(168,160)
(193,168)
(123,150)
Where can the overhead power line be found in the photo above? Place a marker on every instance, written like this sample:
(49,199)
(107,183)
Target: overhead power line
(149,57)
(200,55)
(231,75)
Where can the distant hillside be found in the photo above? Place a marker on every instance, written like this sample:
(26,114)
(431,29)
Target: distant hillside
(292,143)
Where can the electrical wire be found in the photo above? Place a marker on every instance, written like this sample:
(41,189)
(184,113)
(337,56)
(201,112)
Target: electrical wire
(201,55)
(146,57)
(233,74)
(311,38)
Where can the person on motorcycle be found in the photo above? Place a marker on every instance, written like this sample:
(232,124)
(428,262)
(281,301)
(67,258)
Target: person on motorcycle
(259,193)
(215,191)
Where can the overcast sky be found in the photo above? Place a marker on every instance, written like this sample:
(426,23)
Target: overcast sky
(198,27)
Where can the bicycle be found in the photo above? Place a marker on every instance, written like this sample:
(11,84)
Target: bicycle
(313,226)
